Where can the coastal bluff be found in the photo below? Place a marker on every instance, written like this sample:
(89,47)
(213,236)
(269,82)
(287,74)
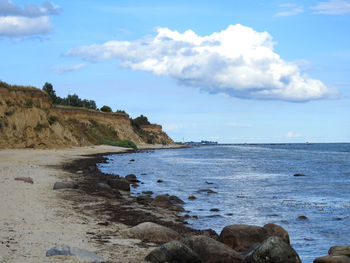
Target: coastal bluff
(28,119)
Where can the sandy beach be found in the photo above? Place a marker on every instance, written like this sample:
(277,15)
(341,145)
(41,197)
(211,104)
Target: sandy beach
(34,217)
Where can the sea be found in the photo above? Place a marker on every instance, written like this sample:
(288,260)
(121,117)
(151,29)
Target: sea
(255,185)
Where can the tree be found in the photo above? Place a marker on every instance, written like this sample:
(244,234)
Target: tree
(48,88)
(141,120)
(106,109)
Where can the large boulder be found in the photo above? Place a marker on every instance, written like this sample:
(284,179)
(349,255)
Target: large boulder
(120,184)
(152,232)
(273,250)
(241,237)
(173,251)
(80,254)
(278,231)
(210,250)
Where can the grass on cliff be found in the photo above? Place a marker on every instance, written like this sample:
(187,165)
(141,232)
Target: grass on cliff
(121,143)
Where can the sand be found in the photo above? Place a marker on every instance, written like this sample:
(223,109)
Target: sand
(34,218)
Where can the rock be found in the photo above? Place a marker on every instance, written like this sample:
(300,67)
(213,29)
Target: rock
(144,199)
(208,182)
(210,250)
(298,175)
(332,259)
(192,197)
(175,200)
(131,160)
(65,185)
(273,250)
(177,208)
(120,184)
(173,251)
(147,192)
(160,181)
(80,172)
(208,191)
(25,179)
(214,210)
(278,231)
(162,201)
(104,186)
(80,254)
(152,232)
(339,251)
(302,218)
(241,237)
(131,178)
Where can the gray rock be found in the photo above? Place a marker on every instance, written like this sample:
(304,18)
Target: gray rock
(273,250)
(120,184)
(80,254)
(144,199)
(65,185)
(175,200)
(152,232)
(131,178)
(173,251)
(212,251)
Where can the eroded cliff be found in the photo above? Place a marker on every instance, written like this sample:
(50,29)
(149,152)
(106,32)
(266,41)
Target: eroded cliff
(29,120)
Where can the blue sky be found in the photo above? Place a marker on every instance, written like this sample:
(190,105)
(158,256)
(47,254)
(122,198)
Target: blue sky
(231,71)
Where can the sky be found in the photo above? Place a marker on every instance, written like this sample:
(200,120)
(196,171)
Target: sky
(229,71)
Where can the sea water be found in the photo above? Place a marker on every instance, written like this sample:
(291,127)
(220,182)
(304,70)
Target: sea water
(255,185)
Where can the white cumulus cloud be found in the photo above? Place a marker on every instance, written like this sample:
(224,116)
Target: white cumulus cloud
(332,7)
(238,61)
(30,20)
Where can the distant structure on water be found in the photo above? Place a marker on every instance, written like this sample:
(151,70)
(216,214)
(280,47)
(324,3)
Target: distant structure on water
(191,143)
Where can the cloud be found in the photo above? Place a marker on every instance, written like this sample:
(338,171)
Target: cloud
(66,69)
(293,10)
(291,134)
(238,61)
(332,7)
(30,20)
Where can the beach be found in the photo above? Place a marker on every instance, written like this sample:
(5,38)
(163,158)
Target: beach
(34,217)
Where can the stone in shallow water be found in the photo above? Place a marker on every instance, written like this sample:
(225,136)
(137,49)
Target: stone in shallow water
(80,254)
(332,259)
(273,250)
(173,251)
(339,251)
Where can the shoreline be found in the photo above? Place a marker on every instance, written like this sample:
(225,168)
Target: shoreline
(35,218)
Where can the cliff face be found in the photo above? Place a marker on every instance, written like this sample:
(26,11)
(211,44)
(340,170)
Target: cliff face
(29,120)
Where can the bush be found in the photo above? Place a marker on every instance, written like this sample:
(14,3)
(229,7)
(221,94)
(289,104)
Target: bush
(122,143)
(121,111)
(141,120)
(126,144)
(106,109)
(10,112)
(28,103)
